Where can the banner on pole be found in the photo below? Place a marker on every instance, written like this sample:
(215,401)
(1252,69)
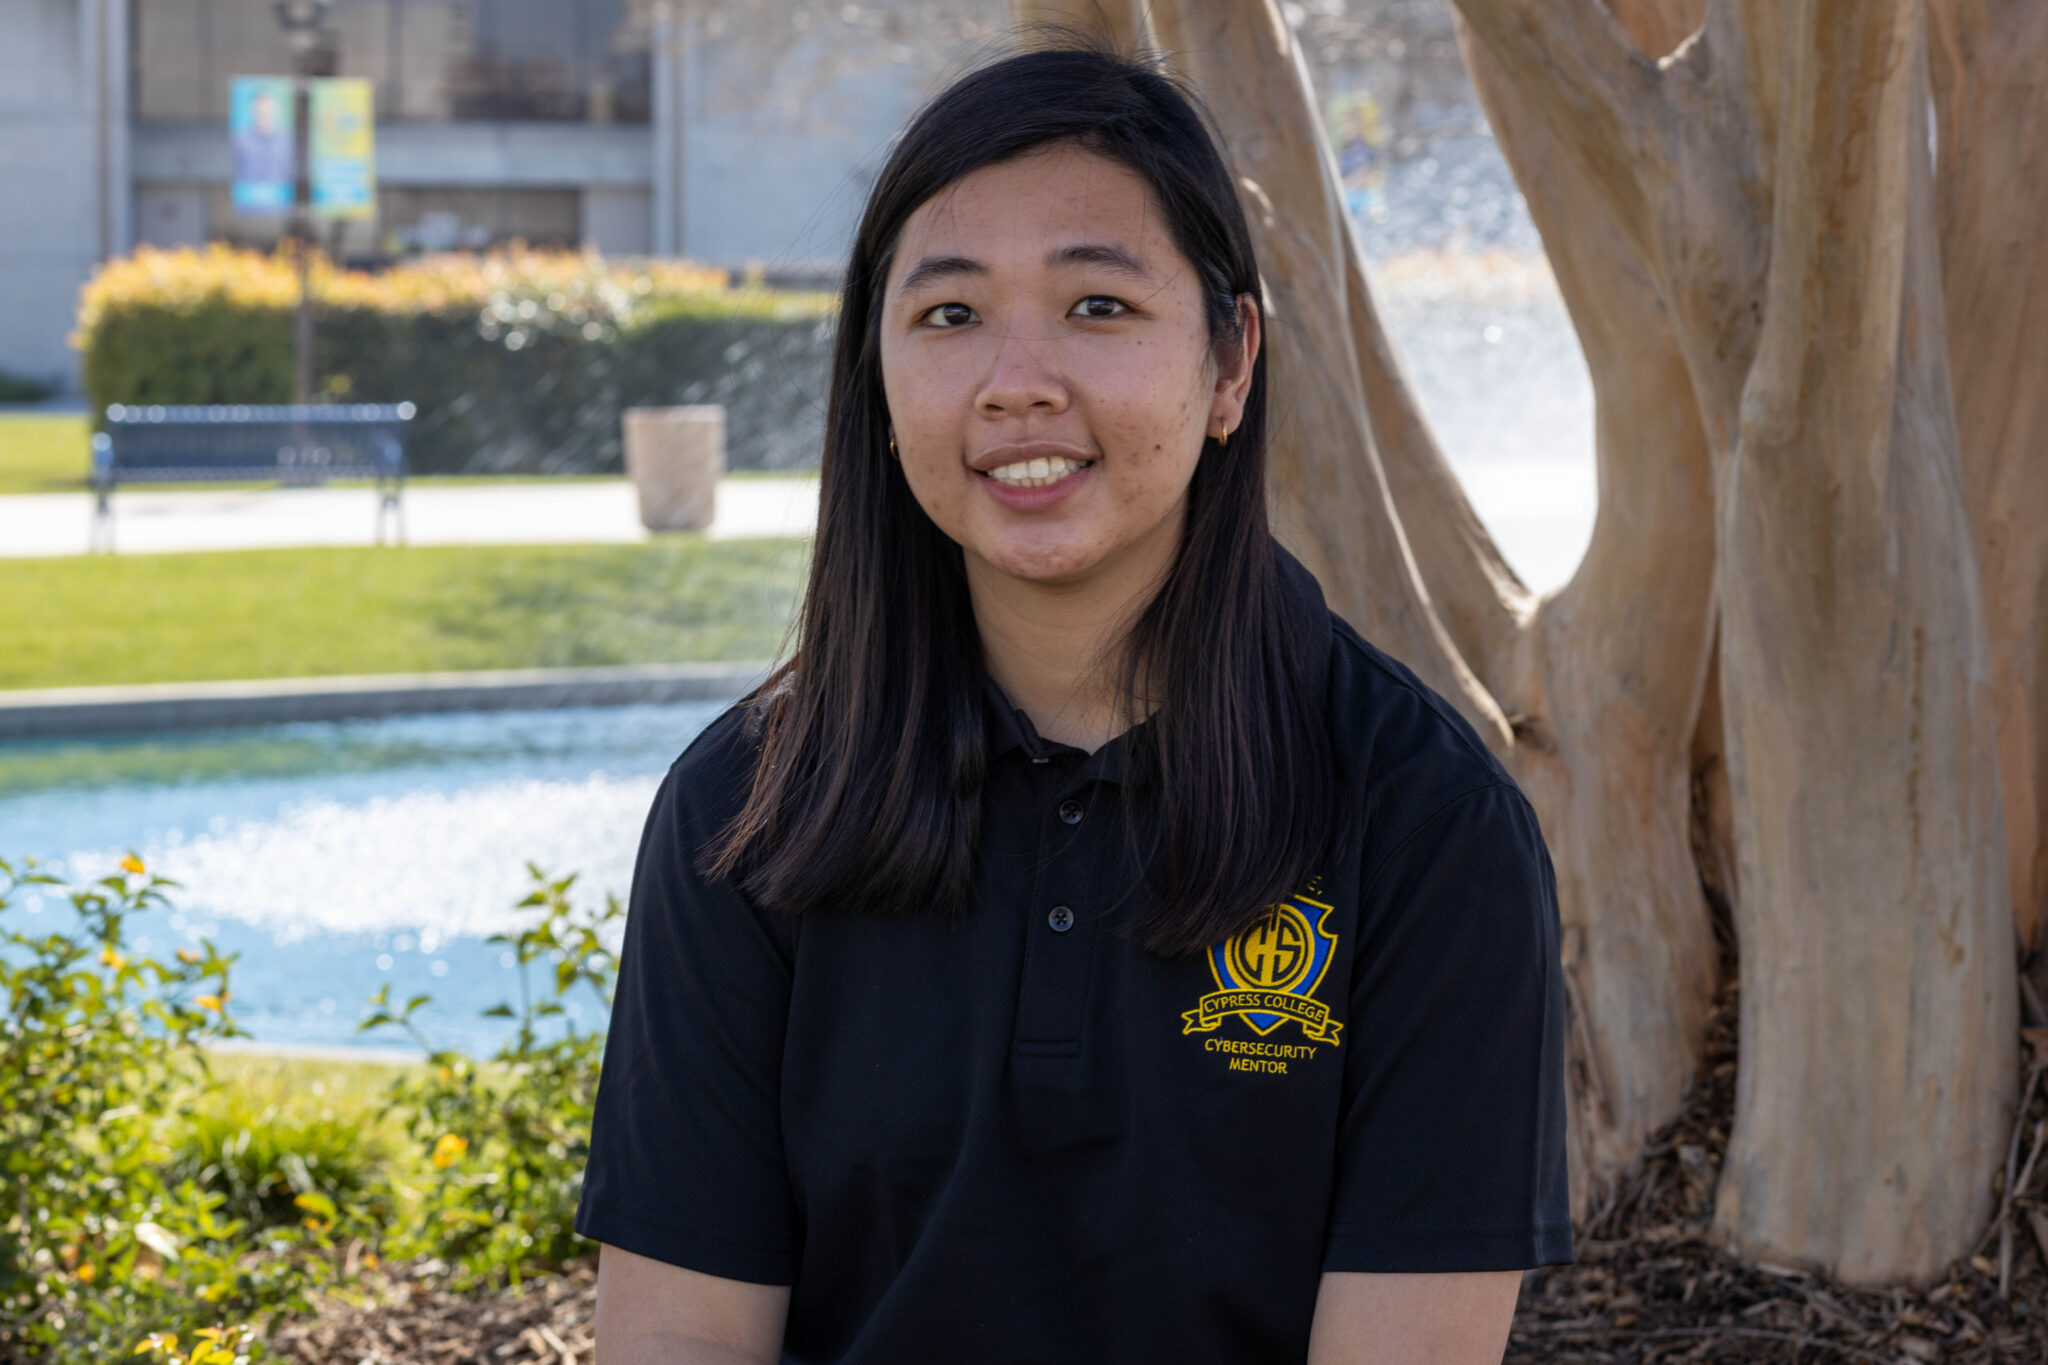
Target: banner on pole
(260,127)
(342,137)
(344,149)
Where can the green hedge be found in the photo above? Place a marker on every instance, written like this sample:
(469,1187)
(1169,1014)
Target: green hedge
(517,364)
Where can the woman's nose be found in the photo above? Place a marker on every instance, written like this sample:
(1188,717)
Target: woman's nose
(1021,380)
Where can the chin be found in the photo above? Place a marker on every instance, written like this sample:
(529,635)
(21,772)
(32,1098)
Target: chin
(1055,561)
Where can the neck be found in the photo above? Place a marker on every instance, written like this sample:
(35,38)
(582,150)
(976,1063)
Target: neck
(1054,647)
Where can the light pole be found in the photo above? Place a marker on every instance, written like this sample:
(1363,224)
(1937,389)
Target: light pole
(305,24)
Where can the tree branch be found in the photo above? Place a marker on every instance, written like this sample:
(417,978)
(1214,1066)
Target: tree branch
(1658,26)
(1838,226)
(1600,93)
(1642,596)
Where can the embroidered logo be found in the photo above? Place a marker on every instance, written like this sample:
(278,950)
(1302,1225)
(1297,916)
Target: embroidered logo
(1268,974)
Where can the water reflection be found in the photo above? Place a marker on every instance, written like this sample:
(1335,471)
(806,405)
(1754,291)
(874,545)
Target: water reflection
(338,856)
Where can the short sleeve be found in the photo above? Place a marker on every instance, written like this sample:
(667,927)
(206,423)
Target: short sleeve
(686,1160)
(1451,1142)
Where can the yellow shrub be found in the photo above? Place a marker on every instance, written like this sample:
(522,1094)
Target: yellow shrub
(184,279)
(515,359)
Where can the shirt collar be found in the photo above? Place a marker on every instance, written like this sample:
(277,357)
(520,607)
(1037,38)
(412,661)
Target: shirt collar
(1301,598)
(1008,727)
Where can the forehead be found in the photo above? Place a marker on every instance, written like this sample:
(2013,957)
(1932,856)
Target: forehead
(1012,214)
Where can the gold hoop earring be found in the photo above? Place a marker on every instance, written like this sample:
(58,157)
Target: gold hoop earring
(1223,441)
(892,451)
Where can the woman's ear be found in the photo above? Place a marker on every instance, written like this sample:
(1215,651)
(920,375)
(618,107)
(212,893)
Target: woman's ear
(1234,364)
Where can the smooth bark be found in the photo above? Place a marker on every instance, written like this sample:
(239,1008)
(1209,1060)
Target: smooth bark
(1613,667)
(1990,67)
(1791,241)
(1879,998)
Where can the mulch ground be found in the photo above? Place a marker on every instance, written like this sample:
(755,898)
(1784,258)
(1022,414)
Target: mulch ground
(1648,1287)
(549,1321)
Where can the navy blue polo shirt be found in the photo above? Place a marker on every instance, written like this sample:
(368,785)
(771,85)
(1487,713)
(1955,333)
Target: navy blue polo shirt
(1023,1138)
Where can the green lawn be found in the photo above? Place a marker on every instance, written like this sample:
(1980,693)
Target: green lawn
(293,613)
(44,453)
(299,1088)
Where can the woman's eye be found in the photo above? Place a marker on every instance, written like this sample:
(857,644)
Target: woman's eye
(1101,306)
(949,315)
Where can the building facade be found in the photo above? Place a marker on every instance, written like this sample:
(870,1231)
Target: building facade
(630,126)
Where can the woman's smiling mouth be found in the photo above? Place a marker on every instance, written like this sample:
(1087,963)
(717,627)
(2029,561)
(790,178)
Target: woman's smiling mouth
(1041,472)
(1032,475)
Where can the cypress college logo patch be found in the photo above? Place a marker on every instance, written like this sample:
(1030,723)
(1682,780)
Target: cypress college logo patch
(1268,974)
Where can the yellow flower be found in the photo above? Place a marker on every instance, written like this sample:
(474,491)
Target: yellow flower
(157,1341)
(87,1273)
(449,1150)
(110,958)
(133,864)
(208,1002)
(370,1260)
(187,956)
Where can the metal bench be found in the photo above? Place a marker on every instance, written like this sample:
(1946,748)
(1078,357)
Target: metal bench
(235,444)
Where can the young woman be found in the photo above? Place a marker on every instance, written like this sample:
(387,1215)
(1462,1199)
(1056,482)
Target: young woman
(1087,947)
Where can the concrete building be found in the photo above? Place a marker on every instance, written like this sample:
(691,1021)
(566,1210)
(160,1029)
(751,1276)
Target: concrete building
(627,125)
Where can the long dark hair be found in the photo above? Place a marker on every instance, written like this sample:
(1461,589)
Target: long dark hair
(867,791)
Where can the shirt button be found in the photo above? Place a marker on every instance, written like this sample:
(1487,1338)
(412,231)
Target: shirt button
(1061,919)
(1070,812)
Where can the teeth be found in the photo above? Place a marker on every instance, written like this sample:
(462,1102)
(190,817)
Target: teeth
(1038,473)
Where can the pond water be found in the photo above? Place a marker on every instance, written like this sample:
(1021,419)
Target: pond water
(336,857)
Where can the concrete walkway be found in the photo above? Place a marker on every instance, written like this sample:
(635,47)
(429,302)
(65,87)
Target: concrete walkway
(573,511)
(1539,511)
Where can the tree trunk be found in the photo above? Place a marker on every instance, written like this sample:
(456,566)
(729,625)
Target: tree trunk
(1990,64)
(1878,1006)
(1616,661)
(1774,174)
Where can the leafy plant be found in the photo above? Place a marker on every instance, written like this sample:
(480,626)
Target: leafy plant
(219,1345)
(97,1244)
(145,1210)
(264,1162)
(16,388)
(507,1140)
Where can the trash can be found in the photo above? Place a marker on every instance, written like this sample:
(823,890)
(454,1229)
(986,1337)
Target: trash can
(675,457)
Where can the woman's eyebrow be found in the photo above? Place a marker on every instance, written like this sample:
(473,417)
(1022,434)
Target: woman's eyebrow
(938,268)
(1113,257)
